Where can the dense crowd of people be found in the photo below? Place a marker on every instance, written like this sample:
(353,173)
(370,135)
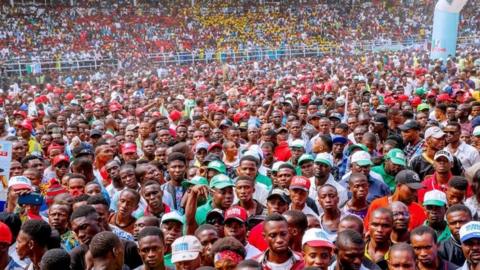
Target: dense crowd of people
(119,30)
(369,161)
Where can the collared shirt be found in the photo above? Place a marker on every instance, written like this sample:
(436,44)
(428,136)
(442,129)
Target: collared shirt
(367,255)
(387,178)
(340,168)
(413,150)
(431,183)
(376,188)
(467,154)
(13,265)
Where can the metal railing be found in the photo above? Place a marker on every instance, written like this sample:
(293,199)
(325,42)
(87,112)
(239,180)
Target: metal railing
(22,66)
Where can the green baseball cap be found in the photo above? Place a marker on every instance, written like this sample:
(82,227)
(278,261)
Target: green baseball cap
(324,158)
(221,181)
(277,165)
(305,157)
(420,91)
(195,181)
(397,157)
(357,146)
(435,197)
(423,106)
(218,166)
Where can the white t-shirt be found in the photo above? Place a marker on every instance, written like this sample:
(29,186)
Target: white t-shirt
(280,266)
(251,251)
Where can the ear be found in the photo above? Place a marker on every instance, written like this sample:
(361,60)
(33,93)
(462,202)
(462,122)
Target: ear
(31,244)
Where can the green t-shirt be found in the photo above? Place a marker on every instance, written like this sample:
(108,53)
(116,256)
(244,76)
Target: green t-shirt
(168,260)
(387,178)
(443,235)
(298,171)
(264,180)
(202,211)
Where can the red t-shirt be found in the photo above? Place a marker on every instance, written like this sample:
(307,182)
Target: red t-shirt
(430,182)
(255,238)
(417,213)
(282,152)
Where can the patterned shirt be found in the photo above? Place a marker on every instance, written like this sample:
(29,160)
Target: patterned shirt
(68,241)
(414,150)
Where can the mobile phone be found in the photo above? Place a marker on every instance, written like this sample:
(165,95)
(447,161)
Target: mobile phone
(31,199)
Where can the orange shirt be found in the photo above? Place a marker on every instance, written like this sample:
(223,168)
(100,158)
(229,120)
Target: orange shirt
(417,213)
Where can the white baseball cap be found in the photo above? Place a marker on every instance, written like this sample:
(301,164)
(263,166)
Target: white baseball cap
(434,132)
(316,237)
(435,197)
(297,143)
(174,215)
(362,158)
(469,231)
(443,153)
(185,248)
(19,182)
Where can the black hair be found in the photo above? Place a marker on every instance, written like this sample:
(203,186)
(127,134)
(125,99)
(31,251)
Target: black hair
(38,230)
(151,231)
(274,217)
(455,124)
(421,230)
(176,156)
(268,144)
(349,236)
(441,107)
(150,183)
(356,219)
(459,208)
(84,211)
(327,140)
(230,243)
(286,165)
(342,126)
(103,243)
(250,264)
(204,227)
(55,240)
(458,182)
(81,164)
(54,259)
(97,199)
(26,159)
(81,198)
(13,222)
(246,178)
(249,158)
(299,219)
(77,175)
(382,210)
(132,191)
(402,247)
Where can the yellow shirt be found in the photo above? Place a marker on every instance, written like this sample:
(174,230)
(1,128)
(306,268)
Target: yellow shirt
(34,146)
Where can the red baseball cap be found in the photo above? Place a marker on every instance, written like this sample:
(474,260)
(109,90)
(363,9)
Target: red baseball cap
(5,234)
(21,113)
(214,145)
(236,212)
(128,148)
(300,182)
(60,158)
(26,125)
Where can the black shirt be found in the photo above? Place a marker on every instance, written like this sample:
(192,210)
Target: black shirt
(421,166)
(132,258)
(451,251)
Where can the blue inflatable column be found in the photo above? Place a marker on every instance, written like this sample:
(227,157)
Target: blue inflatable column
(445,28)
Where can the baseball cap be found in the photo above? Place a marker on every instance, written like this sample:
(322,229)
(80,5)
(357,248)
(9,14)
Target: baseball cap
(195,181)
(280,130)
(410,124)
(335,116)
(296,144)
(185,248)
(423,106)
(300,182)
(469,231)
(476,131)
(443,153)
(409,178)
(60,158)
(214,145)
(276,165)
(314,116)
(357,146)
(221,181)
(278,192)
(213,213)
(95,133)
(339,139)
(237,213)
(128,148)
(131,127)
(397,157)
(435,197)
(19,182)
(201,145)
(218,166)
(362,158)
(316,237)
(26,125)
(303,158)
(381,118)
(434,132)
(324,158)
(5,234)
(82,150)
(172,216)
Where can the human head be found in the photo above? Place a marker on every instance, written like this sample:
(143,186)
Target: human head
(350,249)
(186,252)
(276,234)
(228,252)
(277,201)
(380,225)
(235,219)
(435,204)
(424,243)
(207,235)
(151,246)
(457,216)
(33,238)
(297,225)
(408,182)
(145,221)
(352,222)
(470,239)
(456,190)
(85,223)
(401,257)
(401,216)
(107,249)
(317,248)
(172,228)
(55,259)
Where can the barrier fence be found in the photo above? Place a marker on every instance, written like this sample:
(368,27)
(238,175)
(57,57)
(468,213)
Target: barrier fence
(22,66)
